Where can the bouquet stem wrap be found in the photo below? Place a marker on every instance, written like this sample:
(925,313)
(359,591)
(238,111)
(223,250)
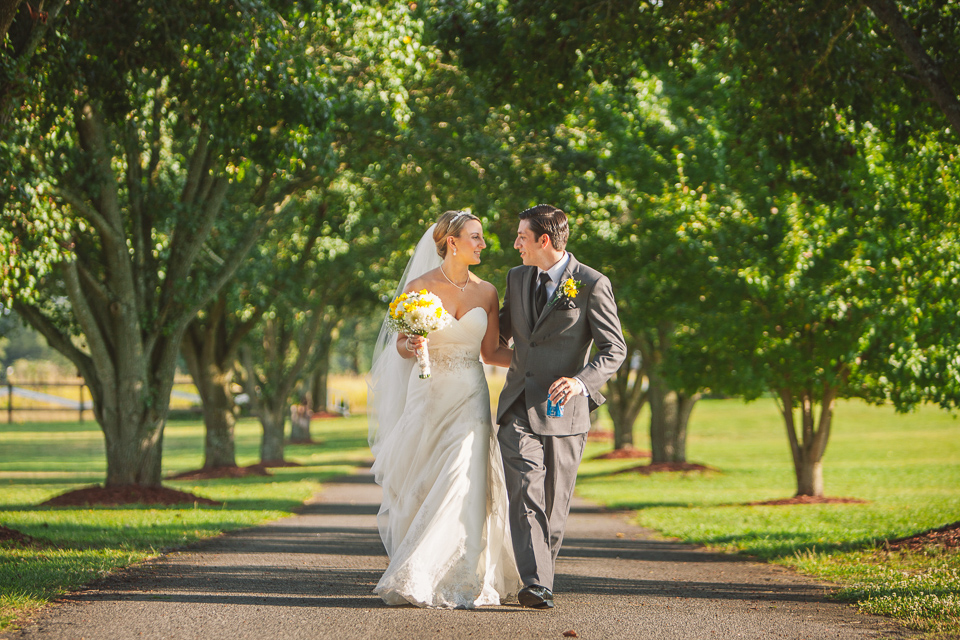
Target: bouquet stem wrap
(423,359)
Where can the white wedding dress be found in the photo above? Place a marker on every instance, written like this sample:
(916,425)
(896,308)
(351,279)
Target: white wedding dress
(443,519)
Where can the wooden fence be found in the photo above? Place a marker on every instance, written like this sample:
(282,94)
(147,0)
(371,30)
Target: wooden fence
(65,399)
(56,400)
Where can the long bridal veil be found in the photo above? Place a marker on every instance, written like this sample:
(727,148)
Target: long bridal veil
(386,384)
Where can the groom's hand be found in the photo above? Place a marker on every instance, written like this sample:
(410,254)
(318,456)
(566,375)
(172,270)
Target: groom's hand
(565,388)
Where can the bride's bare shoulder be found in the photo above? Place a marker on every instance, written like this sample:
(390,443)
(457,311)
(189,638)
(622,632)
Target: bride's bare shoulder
(426,281)
(489,294)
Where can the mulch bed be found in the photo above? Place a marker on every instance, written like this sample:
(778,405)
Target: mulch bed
(947,536)
(115,496)
(804,500)
(669,467)
(600,435)
(222,472)
(325,414)
(280,463)
(626,452)
(12,535)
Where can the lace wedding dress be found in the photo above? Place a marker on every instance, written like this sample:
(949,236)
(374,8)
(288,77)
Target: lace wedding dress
(443,519)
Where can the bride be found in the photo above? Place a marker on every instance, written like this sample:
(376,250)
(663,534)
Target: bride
(443,518)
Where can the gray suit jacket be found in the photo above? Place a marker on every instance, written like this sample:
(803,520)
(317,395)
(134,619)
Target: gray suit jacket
(558,345)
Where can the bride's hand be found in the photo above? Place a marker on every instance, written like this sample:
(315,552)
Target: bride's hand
(413,343)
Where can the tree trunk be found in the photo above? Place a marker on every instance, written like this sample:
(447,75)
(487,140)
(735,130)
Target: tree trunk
(209,350)
(626,397)
(219,420)
(271,375)
(129,381)
(669,414)
(134,457)
(268,399)
(8,9)
(808,446)
(320,376)
(810,477)
(219,410)
(300,415)
(273,420)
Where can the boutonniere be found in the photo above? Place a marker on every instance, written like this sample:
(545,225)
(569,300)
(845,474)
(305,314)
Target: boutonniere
(568,290)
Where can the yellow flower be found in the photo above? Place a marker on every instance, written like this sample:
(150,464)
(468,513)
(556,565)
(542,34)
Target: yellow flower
(569,288)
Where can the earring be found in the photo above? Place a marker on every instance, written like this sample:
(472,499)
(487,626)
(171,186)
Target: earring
(454,251)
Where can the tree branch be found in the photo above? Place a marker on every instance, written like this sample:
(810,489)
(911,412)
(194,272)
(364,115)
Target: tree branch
(155,137)
(785,404)
(930,73)
(307,345)
(197,163)
(140,239)
(851,16)
(233,262)
(99,350)
(40,28)
(232,346)
(826,421)
(56,338)
(185,247)
(97,291)
(88,213)
(8,11)
(93,139)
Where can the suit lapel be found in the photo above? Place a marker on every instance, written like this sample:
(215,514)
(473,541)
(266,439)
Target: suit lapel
(568,272)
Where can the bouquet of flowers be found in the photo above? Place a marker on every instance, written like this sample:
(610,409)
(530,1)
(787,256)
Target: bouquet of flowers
(418,313)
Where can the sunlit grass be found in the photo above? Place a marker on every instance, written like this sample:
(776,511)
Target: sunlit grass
(906,466)
(77,545)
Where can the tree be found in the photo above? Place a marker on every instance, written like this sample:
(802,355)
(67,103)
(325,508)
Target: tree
(803,121)
(818,121)
(326,263)
(211,347)
(638,167)
(137,141)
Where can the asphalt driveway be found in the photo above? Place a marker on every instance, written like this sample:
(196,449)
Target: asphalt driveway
(311,576)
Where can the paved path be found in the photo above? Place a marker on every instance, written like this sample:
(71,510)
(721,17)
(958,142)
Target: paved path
(311,576)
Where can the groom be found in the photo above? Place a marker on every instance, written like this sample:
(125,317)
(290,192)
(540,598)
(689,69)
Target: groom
(554,309)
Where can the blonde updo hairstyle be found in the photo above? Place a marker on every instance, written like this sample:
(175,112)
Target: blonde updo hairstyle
(450,223)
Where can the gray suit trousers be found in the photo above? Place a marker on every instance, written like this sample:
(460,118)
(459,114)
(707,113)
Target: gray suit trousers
(540,472)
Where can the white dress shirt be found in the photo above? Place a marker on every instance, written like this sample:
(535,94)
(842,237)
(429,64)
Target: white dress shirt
(556,272)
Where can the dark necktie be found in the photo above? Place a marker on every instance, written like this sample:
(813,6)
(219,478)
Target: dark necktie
(541,299)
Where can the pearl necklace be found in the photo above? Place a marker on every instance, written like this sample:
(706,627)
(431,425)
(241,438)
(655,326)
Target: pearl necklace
(454,283)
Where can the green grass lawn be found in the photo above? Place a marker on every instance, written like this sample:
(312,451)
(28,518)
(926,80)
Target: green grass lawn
(906,466)
(39,461)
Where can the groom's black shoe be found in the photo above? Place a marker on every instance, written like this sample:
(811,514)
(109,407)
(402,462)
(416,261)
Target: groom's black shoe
(536,597)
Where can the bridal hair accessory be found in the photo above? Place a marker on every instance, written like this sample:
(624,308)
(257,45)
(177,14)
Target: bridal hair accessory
(418,313)
(451,281)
